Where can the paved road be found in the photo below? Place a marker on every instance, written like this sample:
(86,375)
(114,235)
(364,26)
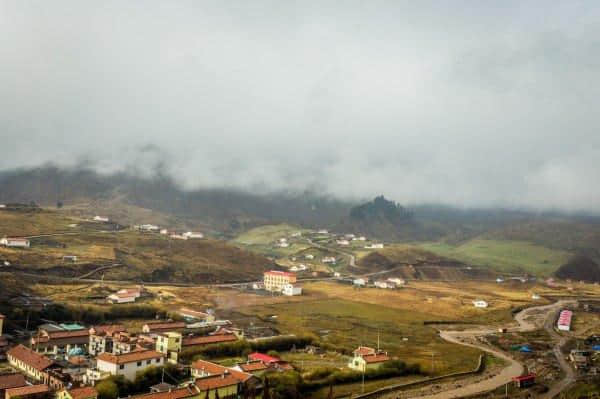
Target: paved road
(527,321)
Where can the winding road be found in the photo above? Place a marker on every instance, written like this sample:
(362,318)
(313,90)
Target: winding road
(529,319)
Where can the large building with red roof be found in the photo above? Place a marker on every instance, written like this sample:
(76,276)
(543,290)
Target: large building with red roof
(128,364)
(275,280)
(564,320)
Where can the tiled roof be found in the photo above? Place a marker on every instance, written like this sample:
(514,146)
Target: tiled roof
(376,358)
(263,358)
(12,381)
(210,339)
(26,390)
(108,329)
(30,357)
(193,313)
(364,350)
(129,357)
(173,394)
(83,393)
(214,369)
(68,334)
(166,325)
(253,366)
(279,273)
(217,381)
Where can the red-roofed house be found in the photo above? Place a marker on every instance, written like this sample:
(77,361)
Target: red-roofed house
(163,326)
(270,361)
(8,381)
(128,364)
(208,340)
(40,391)
(62,341)
(78,393)
(202,369)
(102,338)
(275,280)
(367,358)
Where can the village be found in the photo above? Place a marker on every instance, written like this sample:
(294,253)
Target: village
(273,328)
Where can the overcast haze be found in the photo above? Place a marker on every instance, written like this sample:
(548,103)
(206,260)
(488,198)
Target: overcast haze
(466,103)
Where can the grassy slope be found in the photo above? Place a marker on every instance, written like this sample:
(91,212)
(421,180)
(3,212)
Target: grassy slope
(149,257)
(350,324)
(503,255)
(266,235)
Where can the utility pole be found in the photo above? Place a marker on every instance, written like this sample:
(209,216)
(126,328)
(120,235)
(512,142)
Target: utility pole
(363,379)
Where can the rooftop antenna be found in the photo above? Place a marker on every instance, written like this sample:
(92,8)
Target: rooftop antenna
(377,340)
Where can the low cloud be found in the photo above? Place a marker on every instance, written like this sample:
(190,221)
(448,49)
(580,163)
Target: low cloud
(466,104)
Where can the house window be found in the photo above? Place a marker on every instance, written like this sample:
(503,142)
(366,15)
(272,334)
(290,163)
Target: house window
(148,361)
(122,366)
(157,360)
(139,364)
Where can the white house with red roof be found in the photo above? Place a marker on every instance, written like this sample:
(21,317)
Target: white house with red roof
(367,358)
(128,364)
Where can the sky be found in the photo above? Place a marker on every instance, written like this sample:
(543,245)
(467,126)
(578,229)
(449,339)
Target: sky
(466,103)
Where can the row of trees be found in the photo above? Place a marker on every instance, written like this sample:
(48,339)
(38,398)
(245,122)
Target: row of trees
(292,384)
(243,347)
(115,387)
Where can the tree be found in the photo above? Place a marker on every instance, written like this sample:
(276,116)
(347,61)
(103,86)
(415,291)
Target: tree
(107,389)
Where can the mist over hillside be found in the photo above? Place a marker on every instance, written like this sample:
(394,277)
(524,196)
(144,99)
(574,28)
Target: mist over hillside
(230,211)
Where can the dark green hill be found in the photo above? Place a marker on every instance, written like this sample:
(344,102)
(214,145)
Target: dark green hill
(580,268)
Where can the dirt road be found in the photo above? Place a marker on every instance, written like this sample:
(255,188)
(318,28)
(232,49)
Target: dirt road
(529,319)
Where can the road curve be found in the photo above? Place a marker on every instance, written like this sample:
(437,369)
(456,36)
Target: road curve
(514,368)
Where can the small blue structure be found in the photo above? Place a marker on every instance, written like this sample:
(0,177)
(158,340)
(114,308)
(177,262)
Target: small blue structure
(596,348)
(77,351)
(525,349)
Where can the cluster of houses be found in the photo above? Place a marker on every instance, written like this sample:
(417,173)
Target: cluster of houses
(66,361)
(152,228)
(390,283)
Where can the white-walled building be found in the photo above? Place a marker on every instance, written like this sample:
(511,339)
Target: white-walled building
(343,242)
(100,218)
(309,256)
(328,259)
(396,281)
(275,280)
(128,364)
(291,290)
(148,227)
(164,231)
(374,246)
(193,234)
(361,282)
(15,242)
(384,284)
(480,303)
